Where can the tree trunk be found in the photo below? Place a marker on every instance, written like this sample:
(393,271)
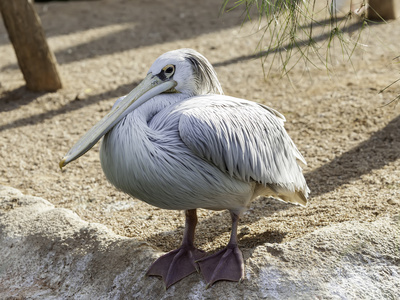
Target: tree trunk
(383,9)
(35,59)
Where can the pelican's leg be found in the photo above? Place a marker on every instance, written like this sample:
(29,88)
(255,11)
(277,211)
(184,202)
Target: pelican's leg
(181,262)
(226,264)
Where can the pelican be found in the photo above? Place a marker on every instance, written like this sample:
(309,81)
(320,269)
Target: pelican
(176,142)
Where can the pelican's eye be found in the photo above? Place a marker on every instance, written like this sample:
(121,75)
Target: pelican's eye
(169,70)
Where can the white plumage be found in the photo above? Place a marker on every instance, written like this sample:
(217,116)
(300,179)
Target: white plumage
(176,142)
(213,151)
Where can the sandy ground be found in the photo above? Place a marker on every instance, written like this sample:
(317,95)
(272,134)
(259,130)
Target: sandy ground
(337,119)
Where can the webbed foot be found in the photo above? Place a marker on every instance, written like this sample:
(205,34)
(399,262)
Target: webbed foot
(176,264)
(226,264)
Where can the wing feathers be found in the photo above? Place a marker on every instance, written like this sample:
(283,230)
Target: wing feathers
(246,140)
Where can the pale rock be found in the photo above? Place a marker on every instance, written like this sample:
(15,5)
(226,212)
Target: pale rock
(50,253)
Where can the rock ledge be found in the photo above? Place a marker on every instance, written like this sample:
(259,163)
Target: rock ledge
(50,253)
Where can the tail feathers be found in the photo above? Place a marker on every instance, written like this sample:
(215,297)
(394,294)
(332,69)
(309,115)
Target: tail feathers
(281,193)
(297,198)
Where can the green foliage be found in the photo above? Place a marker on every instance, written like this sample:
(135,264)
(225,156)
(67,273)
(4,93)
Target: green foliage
(294,31)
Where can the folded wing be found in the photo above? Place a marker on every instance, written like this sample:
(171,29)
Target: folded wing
(246,140)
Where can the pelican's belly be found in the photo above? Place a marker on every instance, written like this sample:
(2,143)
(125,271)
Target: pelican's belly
(163,172)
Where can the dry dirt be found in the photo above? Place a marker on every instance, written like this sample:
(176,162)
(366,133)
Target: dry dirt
(104,48)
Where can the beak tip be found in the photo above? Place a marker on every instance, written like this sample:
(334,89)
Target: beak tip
(62,163)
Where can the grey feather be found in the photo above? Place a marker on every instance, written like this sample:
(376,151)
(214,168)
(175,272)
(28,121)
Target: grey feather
(244,139)
(204,74)
(194,149)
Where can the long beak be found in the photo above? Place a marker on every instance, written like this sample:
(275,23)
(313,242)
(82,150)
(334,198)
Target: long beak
(147,89)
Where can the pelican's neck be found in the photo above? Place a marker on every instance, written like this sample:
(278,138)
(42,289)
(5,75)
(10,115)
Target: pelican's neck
(156,104)
(161,102)
(129,147)
(134,128)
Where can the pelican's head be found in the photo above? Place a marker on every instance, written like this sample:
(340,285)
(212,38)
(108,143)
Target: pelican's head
(192,72)
(180,71)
